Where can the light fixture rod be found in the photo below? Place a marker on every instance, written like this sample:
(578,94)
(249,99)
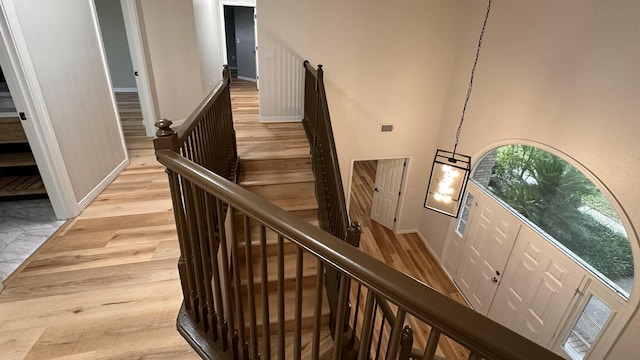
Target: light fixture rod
(473,73)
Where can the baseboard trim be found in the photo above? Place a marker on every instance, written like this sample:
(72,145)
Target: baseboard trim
(103,184)
(125,90)
(430,249)
(277,119)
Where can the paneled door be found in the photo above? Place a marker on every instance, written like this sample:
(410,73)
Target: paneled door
(537,289)
(386,193)
(246,42)
(489,241)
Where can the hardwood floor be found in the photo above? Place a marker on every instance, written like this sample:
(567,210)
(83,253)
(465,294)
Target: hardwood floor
(105,286)
(404,252)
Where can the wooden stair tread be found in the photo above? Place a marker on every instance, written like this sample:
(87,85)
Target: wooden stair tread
(308,302)
(9,120)
(270,134)
(11,132)
(284,163)
(21,185)
(290,197)
(308,270)
(262,152)
(17,159)
(271,243)
(270,177)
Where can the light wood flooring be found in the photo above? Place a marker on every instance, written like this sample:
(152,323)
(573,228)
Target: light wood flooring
(105,286)
(405,252)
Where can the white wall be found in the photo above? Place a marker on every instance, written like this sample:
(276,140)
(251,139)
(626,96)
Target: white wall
(172,50)
(385,62)
(564,74)
(65,52)
(207,21)
(115,44)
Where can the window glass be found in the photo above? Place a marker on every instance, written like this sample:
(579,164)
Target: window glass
(587,328)
(466,210)
(564,204)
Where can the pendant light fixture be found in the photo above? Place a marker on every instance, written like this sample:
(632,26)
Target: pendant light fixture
(450,170)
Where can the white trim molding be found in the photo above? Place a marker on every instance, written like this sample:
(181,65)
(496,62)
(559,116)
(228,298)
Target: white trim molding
(102,185)
(428,246)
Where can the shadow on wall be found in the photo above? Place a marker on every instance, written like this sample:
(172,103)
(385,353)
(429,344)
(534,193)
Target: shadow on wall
(281,80)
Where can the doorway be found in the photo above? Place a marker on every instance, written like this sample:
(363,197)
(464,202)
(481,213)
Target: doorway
(375,191)
(508,271)
(121,69)
(240,40)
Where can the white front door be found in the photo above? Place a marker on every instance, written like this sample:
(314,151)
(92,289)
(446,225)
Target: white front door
(387,191)
(489,241)
(538,285)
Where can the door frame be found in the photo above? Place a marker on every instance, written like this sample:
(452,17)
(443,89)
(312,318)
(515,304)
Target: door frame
(403,184)
(28,98)
(138,60)
(223,29)
(594,285)
(616,327)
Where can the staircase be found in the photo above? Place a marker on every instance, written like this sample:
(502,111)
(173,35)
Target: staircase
(275,163)
(247,266)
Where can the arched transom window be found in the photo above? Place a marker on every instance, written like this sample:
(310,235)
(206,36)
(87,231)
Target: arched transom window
(565,205)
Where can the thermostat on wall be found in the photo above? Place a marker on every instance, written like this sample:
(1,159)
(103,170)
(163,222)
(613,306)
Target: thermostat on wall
(386,127)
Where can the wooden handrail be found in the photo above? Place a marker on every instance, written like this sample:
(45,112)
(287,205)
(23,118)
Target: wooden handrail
(482,336)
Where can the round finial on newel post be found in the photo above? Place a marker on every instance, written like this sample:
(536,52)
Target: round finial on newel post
(164,128)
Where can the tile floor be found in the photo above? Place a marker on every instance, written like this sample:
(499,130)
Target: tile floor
(24,226)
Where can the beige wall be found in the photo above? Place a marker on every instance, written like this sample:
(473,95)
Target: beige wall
(385,62)
(172,50)
(564,74)
(207,22)
(67,59)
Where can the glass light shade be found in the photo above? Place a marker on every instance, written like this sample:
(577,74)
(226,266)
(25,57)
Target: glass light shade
(449,175)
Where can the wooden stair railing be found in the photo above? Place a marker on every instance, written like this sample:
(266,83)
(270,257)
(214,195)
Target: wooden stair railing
(223,308)
(483,337)
(332,209)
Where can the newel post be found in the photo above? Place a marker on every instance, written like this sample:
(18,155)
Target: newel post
(166,138)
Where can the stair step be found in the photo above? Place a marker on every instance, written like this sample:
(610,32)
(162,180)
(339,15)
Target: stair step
(308,302)
(291,197)
(308,272)
(248,164)
(269,132)
(278,176)
(271,240)
(326,345)
(17,159)
(21,185)
(11,131)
